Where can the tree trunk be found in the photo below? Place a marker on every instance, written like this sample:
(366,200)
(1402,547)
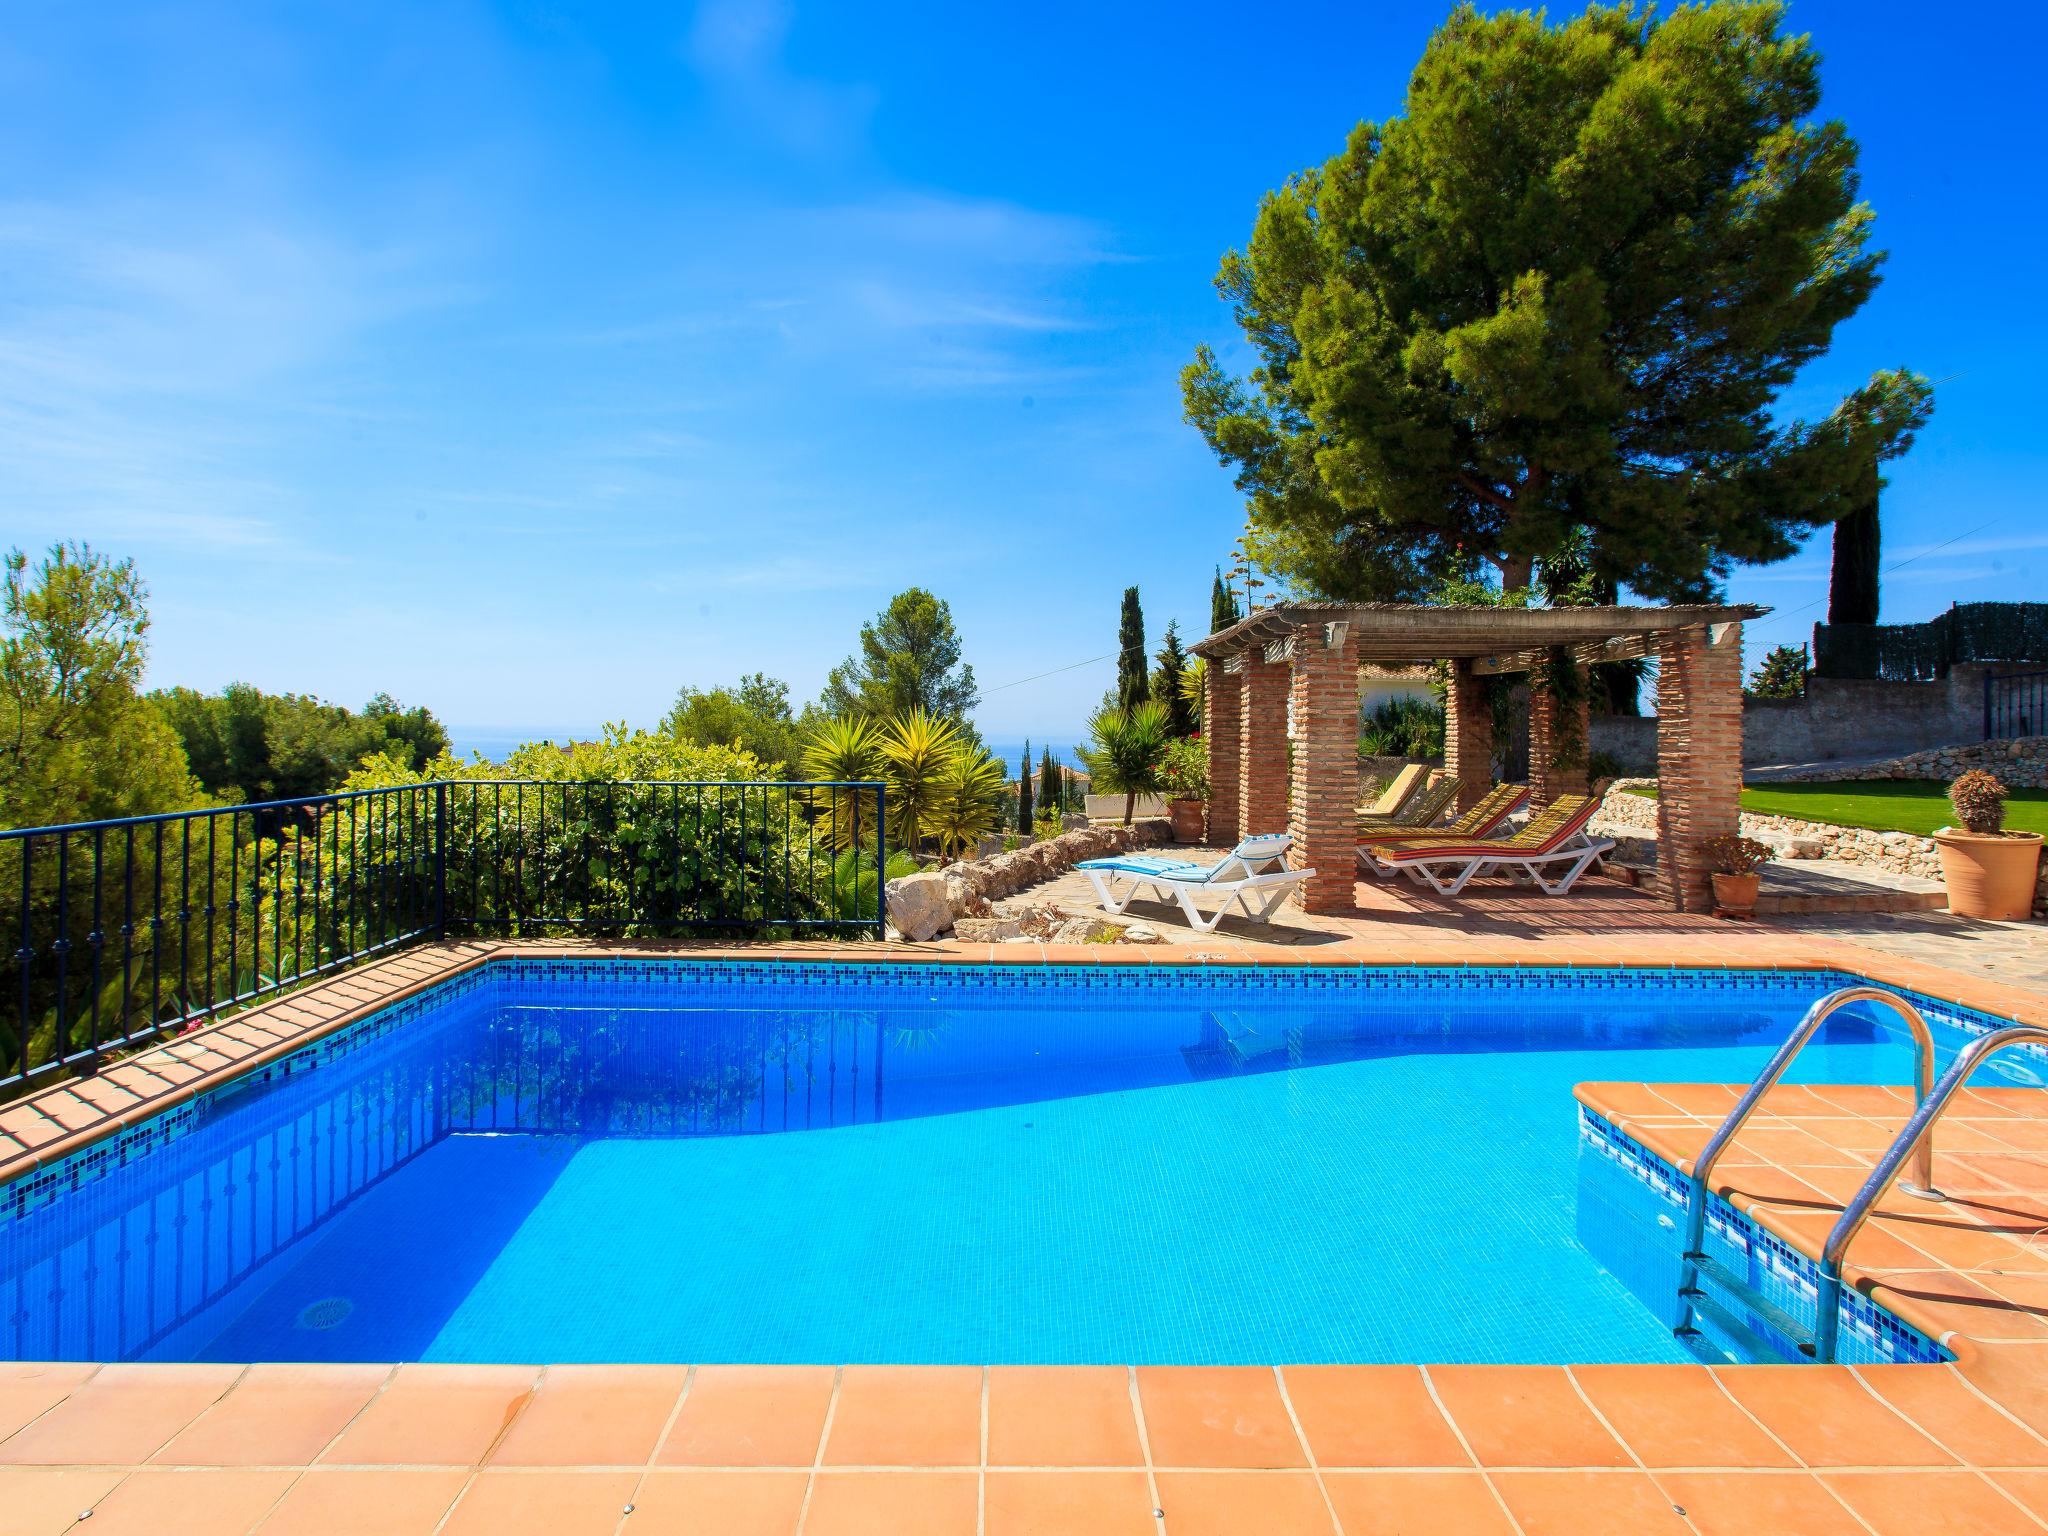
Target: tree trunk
(1515,572)
(1853,581)
(1130,806)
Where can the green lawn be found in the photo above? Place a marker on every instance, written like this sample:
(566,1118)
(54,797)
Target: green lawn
(1885,805)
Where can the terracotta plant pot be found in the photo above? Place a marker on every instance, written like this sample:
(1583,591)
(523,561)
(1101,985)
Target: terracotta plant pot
(1189,824)
(1989,875)
(1736,894)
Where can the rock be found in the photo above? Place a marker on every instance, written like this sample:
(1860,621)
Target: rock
(988,930)
(1805,848)
(1073,821)
(1139,933)
(1083,930)
(917,906)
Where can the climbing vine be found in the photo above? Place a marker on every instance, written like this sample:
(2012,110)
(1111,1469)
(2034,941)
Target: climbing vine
(1560,675)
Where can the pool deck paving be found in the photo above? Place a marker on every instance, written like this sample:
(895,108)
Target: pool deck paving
(722,1450)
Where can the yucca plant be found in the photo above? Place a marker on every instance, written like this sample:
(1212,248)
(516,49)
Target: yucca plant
(1126,752)
(1194,687)
(847,748)
(917,750)
(969,803)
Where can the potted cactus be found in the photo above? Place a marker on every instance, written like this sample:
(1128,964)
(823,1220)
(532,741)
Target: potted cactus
(1736,864)
(1989,871)
(1184,781)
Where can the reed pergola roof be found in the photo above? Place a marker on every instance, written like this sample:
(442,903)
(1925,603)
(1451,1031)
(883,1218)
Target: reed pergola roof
(1495,640)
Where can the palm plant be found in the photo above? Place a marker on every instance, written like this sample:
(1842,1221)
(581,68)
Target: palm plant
(917,751)
(968,807)
(843,749)
(853,881)
(1194,686)
(1126,751)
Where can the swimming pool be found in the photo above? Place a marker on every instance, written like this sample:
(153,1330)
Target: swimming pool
(587,1160)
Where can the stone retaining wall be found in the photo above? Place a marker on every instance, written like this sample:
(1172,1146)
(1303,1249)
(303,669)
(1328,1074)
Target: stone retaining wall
(2021,764)
(1633,819)
(924,905)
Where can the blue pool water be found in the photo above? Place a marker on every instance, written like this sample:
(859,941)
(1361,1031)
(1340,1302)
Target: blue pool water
(668,1161)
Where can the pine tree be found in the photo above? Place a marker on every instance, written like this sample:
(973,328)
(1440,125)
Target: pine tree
(1024,791)
(1166,683)
(1852,583)
(1222,605)
(1133,686)
(1049,798)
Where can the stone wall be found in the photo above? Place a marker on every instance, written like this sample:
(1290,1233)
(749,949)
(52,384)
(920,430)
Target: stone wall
(2021,764)
(1838,718)
(924,905)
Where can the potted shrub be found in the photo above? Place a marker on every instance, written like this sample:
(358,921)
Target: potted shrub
(1989,872)
(1736,864)
(1184,781)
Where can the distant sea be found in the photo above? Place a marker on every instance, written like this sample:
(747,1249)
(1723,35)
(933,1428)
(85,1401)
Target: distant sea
(496,741)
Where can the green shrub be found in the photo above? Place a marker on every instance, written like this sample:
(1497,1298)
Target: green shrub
(1403,727)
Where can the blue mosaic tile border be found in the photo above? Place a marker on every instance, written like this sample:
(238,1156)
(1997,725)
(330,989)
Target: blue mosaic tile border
(1784,1275)
(31,1192)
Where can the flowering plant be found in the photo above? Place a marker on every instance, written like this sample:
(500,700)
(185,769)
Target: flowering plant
(1737,855)
(1184,770)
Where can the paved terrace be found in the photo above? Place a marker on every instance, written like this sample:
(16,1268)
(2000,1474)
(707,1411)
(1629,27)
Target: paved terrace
(292,1450)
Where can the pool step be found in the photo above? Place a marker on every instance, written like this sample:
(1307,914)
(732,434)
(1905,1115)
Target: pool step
(1722,1296)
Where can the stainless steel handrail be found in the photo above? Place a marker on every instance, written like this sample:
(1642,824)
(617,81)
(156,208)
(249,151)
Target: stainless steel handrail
(1922,1183)
(1917,1137)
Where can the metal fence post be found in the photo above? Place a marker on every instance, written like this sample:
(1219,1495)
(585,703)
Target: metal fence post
(440,858)
(881,863)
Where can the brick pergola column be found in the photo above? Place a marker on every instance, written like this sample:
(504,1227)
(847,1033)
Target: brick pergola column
(1222,702)
(1468,734)
(1546,724)
(1699,755)
(1322,800)
(1261,745)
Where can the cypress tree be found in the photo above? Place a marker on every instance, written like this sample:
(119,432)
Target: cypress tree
(1222,605)
(1049,786)
(1133,684)
(1852,583)
(1173,665)
(1024,791)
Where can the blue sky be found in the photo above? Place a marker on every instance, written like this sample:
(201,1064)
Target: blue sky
(529,361)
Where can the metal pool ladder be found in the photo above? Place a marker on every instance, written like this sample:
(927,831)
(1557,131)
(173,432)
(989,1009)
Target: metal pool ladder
(1697,1267)
(1915,1141)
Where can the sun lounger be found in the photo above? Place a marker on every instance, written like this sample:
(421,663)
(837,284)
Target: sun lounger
(1419,814)
(1554,838)
(1484,820)
(1400,791)
(1255,868)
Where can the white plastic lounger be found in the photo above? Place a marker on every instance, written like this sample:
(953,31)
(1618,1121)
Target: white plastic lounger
(1255,868)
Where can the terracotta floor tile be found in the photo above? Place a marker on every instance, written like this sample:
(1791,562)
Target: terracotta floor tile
(893,1504)
(1217,1416)
(29,1389)
(906,1416)
(1588,1504)
(213,1502)
(277,1415)
(1931,1504)
(701,1503)
(1244,1503)
(390,1501)
(1062,1416)
(1758,1503)
(120,1416)
(1524,1416)
(1678,1416)
(593,1416)
(1068,1504)
(751,1416)
(436,1415)
(1371,1416)
(551,1503)
(2030,1488)
(47,1501)
(1941,1405)
(1404,1503)
(1828,1418)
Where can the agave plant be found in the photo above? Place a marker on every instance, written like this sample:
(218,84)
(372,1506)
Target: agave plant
(969,802)
(1126,751)
(917,751)
(849,748)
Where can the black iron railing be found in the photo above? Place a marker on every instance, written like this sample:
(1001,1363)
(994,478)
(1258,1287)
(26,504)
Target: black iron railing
(2015,705)
(125,929)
